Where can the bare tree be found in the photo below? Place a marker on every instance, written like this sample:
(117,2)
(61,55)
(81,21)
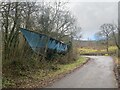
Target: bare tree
(10,18)
(106,30)
(52,19)
(115,35)
(55,21)
(15,15)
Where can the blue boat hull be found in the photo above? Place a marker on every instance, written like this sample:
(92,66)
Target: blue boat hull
(38,42)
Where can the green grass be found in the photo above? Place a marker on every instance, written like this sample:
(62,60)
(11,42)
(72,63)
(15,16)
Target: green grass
(67,67)
(40,77)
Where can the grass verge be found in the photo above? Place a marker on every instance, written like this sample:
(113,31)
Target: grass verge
(42,78)
(117,70)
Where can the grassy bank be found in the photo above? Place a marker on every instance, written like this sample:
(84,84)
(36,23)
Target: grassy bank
(118,68)
(42,77)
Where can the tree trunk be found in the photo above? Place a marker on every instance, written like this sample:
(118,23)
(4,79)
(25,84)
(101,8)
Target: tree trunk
(107,45)
(119,43)
(119,30)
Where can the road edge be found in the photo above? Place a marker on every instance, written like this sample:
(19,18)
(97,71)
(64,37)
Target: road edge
(62,75)
(115,70)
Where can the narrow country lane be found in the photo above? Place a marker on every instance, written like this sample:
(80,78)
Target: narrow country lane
(97,73)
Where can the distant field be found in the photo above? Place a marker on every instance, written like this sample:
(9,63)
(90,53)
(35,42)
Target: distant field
(112,49)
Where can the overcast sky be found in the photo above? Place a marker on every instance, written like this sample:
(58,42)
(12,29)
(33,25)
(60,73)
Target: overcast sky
(90,15)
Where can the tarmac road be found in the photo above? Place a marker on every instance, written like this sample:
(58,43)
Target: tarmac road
(97,73)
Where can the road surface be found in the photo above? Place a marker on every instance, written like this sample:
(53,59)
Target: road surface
(97,73)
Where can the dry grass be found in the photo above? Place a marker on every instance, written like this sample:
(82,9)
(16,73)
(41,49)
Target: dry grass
(112,49)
